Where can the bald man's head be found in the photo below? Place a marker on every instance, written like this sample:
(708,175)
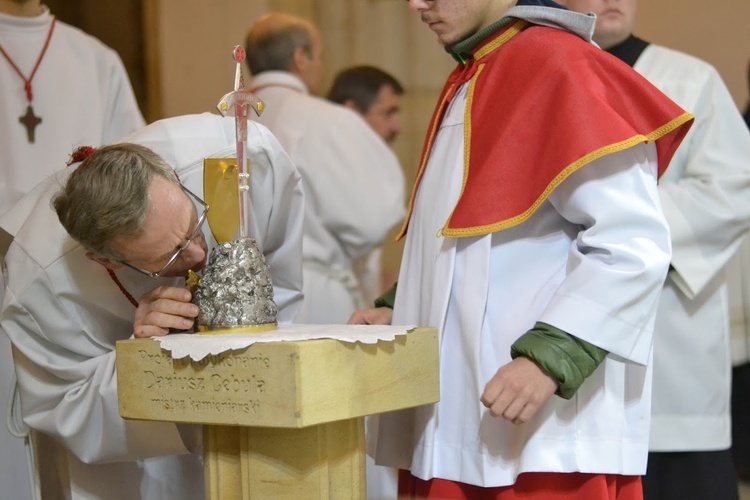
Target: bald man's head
(284,42)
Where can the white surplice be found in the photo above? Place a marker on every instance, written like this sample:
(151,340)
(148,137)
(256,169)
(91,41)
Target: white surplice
(354,190)
(83,96)
(64,314)
(706,198)
(590,261)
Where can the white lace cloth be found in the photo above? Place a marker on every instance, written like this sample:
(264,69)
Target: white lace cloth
(199,346)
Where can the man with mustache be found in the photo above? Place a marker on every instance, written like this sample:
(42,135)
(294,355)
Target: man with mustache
(372,93)
(536,245)
(706,199)
(376,96)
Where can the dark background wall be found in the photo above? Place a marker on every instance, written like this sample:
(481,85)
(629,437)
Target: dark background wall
(119,25)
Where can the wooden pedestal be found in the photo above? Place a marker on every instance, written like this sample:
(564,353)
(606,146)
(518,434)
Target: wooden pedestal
(282,419)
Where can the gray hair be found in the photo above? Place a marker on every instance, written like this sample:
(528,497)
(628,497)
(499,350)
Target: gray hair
(106,197)
(271,48)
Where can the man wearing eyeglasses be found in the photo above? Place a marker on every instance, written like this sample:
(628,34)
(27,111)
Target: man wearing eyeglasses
(135,220)
(171,257)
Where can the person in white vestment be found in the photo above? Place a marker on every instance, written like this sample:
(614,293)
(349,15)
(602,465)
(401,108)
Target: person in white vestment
(376,96)
(537,246)
(354,185)
(739,306)
(135,208)
(80,92)
(706,199)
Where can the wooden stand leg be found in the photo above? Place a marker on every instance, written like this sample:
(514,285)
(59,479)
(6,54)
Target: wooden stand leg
(324,461)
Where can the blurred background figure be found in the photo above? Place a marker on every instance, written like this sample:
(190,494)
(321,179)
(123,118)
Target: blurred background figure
(374,94)
(354,188)
(739,296)
(705,194)
(59,88)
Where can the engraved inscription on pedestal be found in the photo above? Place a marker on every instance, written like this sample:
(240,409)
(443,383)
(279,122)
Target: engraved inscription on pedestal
(230,387)
(242,377)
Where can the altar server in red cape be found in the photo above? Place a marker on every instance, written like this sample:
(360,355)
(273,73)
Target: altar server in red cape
(536,244)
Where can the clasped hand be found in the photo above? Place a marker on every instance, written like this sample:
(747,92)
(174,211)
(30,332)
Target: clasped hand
(163,308)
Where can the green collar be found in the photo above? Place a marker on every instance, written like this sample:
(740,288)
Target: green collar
(463,51)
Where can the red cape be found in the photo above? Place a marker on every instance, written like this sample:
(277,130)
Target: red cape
(541,104)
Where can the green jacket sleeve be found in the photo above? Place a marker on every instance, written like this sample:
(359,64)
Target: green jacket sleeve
(388,298)
(567,358)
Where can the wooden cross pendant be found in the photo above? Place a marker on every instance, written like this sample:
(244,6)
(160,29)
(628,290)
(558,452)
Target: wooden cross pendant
(30,122)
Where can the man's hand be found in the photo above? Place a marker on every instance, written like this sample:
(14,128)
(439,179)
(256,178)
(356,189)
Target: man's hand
(164,308)
(376,316)
(518,390)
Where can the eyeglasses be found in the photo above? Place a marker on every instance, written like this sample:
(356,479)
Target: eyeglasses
(194,234)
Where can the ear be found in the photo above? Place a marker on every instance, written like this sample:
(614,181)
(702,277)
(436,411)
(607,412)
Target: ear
(349,103)
(107,263)
(300,59)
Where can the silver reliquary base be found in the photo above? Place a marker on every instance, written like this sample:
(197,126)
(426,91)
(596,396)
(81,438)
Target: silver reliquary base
(236,289)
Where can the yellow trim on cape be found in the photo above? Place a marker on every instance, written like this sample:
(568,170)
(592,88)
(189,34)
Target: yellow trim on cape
(566,172)
(467,139)
(514,29)
(422,165)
